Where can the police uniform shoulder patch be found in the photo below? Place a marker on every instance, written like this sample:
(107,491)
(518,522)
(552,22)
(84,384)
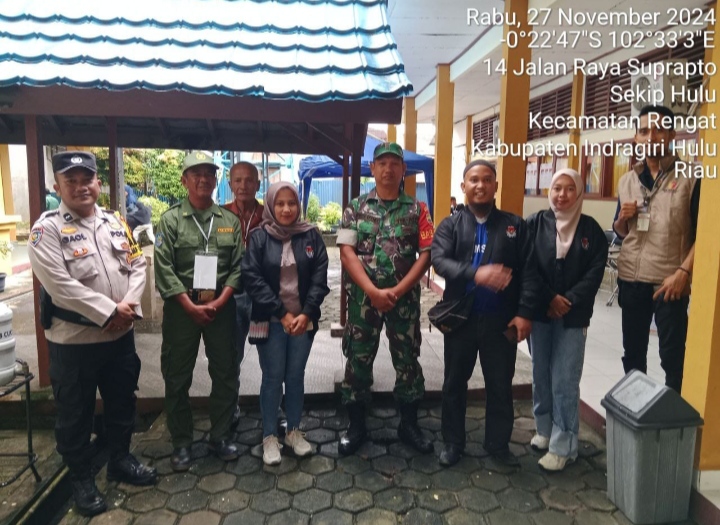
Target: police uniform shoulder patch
(36,235)
(159,237)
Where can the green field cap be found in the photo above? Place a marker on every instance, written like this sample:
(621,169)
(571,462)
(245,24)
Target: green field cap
(197,158)
(387,147)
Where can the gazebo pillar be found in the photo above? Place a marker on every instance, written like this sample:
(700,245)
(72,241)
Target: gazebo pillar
(444,106)
(410,120)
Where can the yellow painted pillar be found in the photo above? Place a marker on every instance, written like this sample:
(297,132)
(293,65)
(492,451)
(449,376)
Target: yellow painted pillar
(5,181)
(468,139)
(8,221)
(514,108)
(576,108)
(701,382)
(444,103)
(392,133)
(410,121)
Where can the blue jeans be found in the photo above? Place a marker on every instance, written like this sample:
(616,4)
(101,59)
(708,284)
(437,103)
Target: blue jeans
(282,359)
(557,357)
(242,314)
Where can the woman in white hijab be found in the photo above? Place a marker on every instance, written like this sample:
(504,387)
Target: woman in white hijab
(571,251)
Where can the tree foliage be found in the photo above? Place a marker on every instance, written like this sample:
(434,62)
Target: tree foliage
(330,216)
(313,209)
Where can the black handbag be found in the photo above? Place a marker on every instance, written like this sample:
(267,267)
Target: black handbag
(448,316)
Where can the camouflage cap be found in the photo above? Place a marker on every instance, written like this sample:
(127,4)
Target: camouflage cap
(197,158)
(388,147)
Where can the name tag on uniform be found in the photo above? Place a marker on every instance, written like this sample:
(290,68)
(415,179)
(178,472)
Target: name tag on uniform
(643,221)
(205,274)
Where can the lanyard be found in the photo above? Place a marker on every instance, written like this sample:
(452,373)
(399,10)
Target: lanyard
(656,184)
(206,237)
(247,226)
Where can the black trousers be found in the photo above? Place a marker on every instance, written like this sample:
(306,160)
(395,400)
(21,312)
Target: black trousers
(484,336)
(671,319)
(77,371)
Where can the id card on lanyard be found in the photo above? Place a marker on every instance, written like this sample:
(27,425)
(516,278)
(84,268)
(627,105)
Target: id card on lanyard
(205,270)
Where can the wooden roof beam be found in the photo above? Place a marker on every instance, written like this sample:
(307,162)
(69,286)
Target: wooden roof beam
(56,124)
(331,136)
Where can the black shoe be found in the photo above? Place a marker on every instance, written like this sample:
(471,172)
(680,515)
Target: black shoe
(235,419)
(129,470)
(88,500)
(408,430)
(356,433)
(223,449)
(450,454)
(180,459)
(505,457)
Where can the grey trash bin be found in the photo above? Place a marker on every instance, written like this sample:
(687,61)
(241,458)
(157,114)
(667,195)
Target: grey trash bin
(650,448)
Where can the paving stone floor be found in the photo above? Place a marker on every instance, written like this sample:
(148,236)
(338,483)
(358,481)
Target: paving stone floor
(384,483)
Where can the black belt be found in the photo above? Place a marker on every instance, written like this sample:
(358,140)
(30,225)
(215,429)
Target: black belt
(203,296)
(72,317)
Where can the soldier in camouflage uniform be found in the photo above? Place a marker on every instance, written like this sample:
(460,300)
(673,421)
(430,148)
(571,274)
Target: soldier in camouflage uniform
(381,236)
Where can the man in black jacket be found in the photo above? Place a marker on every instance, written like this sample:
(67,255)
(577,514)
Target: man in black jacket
(489,253)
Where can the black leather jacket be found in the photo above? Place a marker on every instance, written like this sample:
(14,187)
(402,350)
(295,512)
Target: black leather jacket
(261,274)
(581,273)
(509,243)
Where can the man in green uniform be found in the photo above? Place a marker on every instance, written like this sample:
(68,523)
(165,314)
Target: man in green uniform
(197,268)
(381,235)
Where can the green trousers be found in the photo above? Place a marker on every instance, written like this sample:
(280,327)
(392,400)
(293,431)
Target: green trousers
(360,345)
(181,339)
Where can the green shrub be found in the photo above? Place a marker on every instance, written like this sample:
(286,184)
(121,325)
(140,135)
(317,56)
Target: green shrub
(330,216)
(157,208)
(313,209)
(104,201)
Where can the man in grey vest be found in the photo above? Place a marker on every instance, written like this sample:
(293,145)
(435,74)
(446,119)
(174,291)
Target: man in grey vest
(657,219)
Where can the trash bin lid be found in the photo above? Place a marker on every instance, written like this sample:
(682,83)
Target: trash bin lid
(642,403)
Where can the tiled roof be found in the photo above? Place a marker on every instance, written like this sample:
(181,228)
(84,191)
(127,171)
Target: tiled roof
(277,49)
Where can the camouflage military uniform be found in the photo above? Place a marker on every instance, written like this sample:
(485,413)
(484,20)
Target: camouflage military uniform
(387,237)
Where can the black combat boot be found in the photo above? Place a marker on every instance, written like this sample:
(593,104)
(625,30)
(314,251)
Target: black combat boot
(129,470)
(356,433)
(408,430)
(88,500)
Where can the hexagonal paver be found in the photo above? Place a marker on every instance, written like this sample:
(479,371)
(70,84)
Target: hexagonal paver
(312,501)
(475,412)
(217,482)
(518,450)
(286,465)
(185,502)
(246,424)
(354,500)
(177,483)
(450,480)
(317,465)
(353,464)
(412,479)
(384,436)
(245,517)
(334,481)
(336,423)
(421,517)
(489,480)
(322,413)
(596,479)
(461,517)
(244,465)
(374,423)
(427,463)
(478,500)
(271,501)
(383,412)
(591,517)
(295,482)
(209,465)
(370,450)
(556,498)
(519,500)
(255,482)
(507,517)
(401,450)
(113,517)
(596,500)
(528,481)
(157,517)
(330,450)
(146,501)
(376,517)
(372,481)
(437,500)
(321,435)
(466,465)
(568,480)
(203,517)
(230,501)
(476,450)
(163,467)
(289,517)
(250,437)
(309,423)
(202,424)
(429,423)
(397,500)
(491,463)
(332,517)
(158,450)
(552,517)
(389,465)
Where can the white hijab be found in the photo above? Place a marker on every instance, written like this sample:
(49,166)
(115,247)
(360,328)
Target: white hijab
(566,221)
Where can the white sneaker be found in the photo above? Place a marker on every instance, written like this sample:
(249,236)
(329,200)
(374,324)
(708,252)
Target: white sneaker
(539,442)
(554,463)
(271,450)
(296,440)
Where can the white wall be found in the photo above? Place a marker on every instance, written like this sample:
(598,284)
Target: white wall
(603,211)
(19,174)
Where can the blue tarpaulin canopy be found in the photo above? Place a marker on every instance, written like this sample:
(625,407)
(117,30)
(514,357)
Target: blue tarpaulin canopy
(320,166)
